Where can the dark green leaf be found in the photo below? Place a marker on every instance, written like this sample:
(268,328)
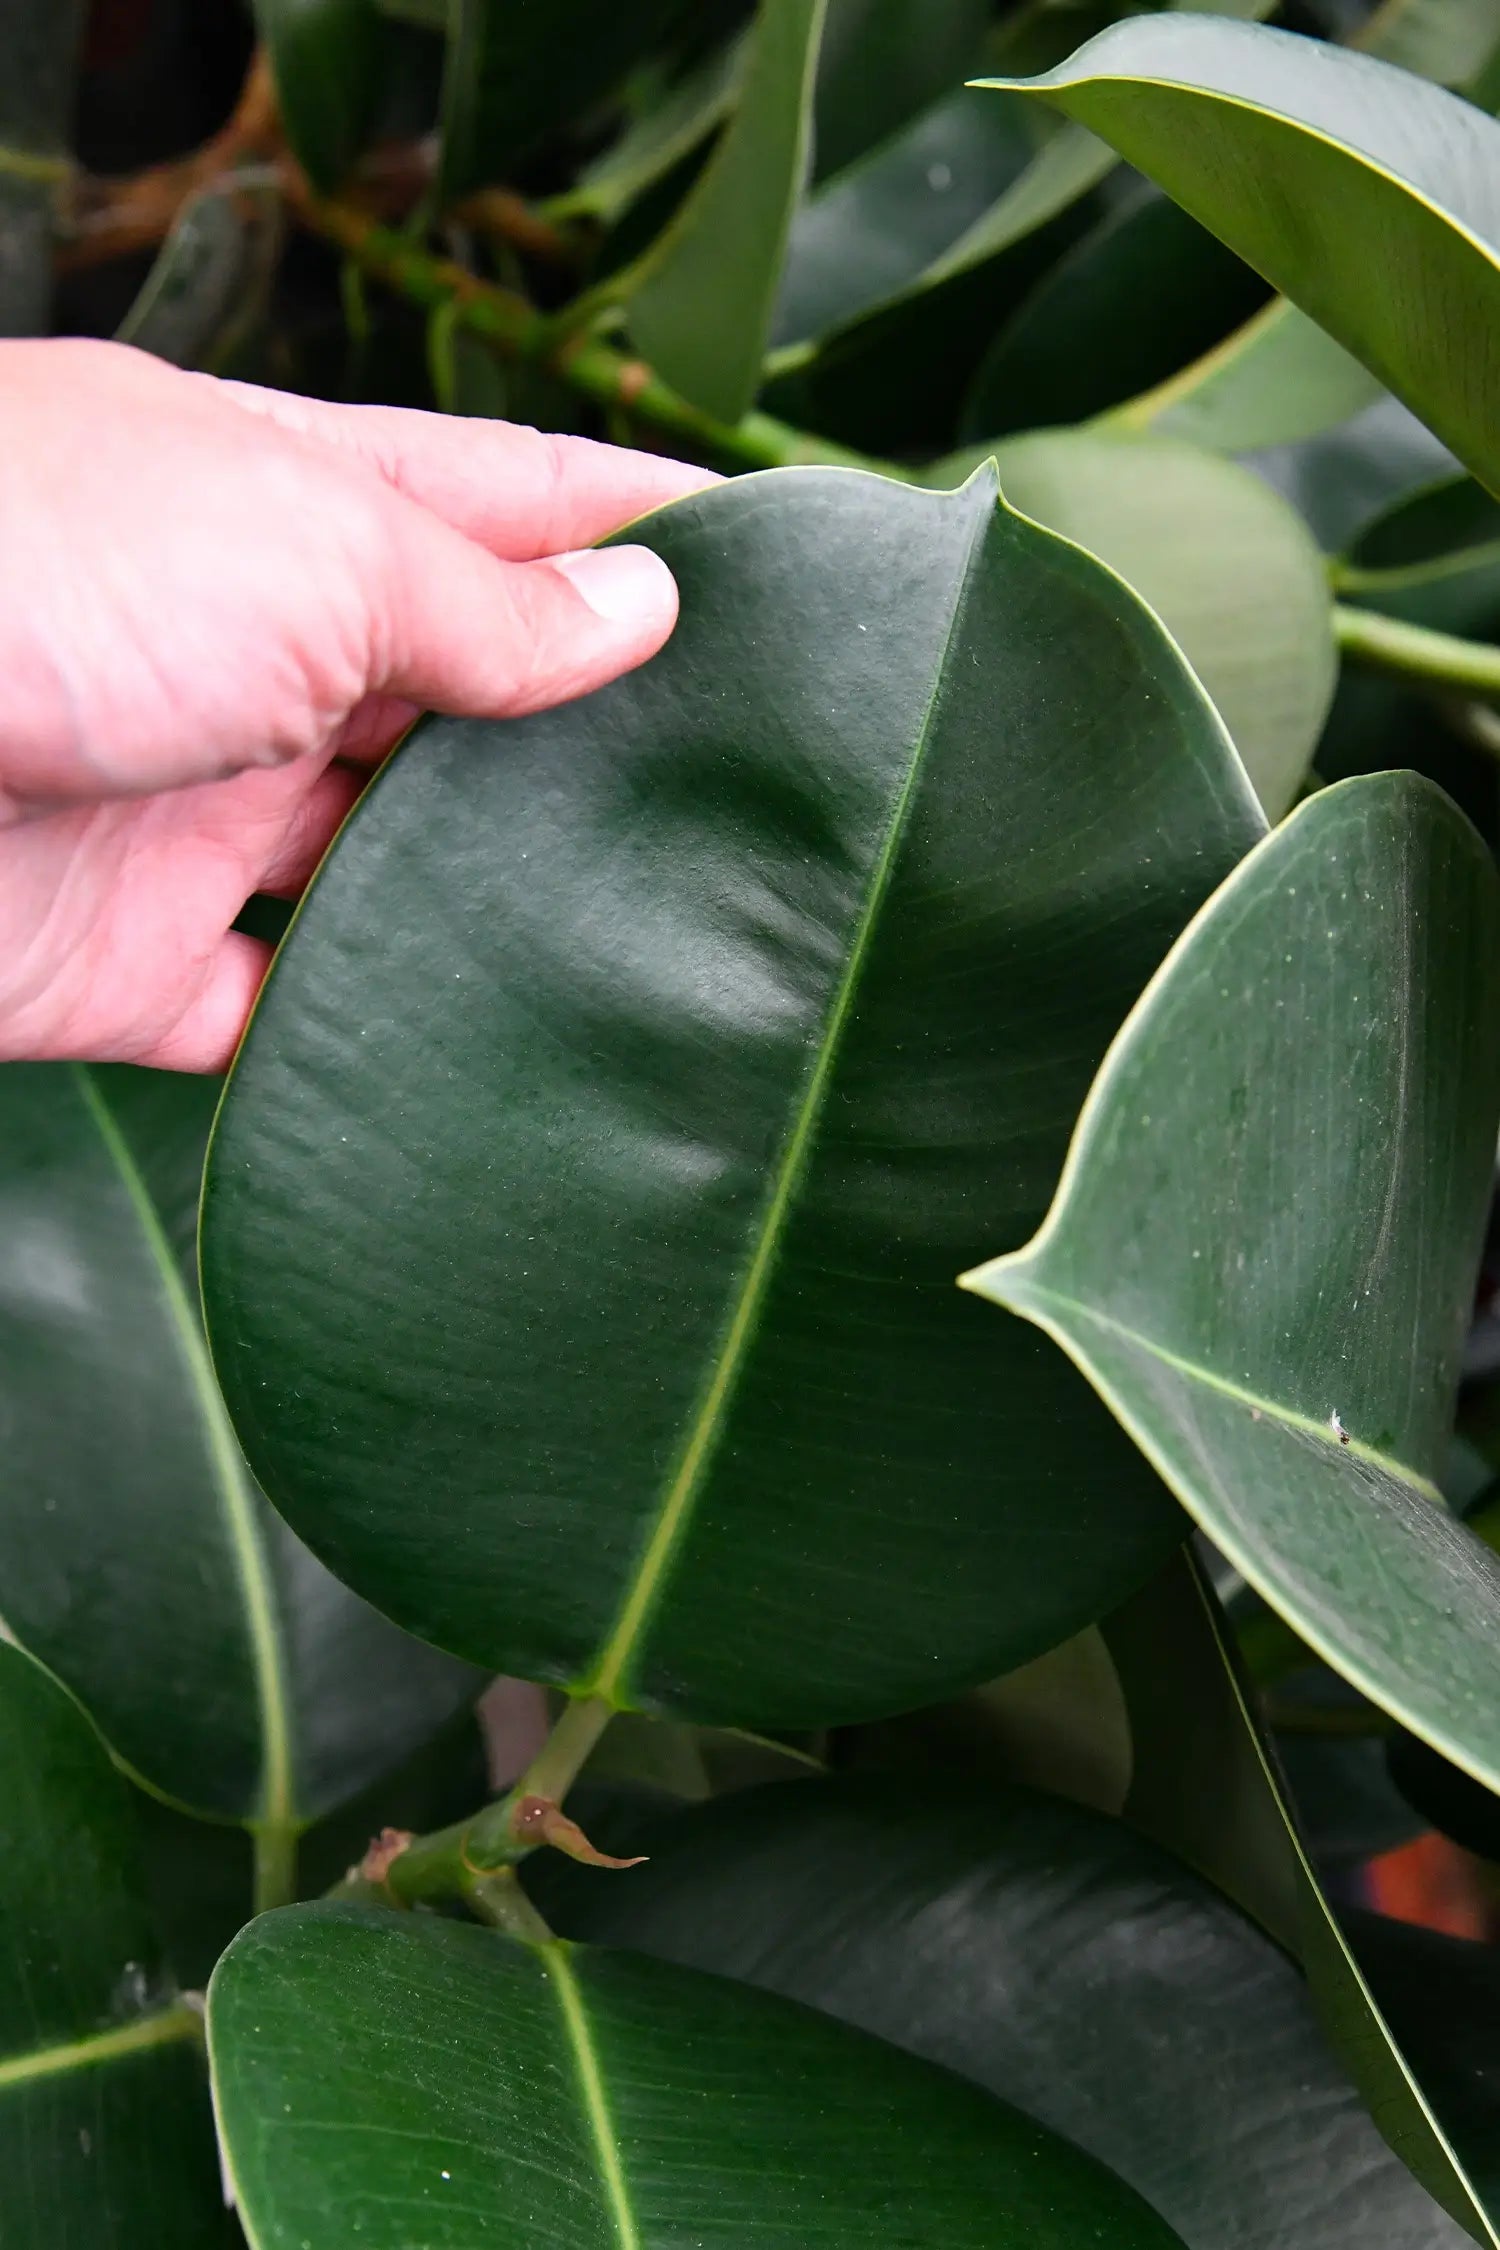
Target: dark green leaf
(1362,193)
(1264,1247)
(328,57)
(1441,1996)
(731,1005)
(39,42)
(1048,1953)
(1205,1788)
(201,1873)
(601,2098)
(222,1662)
(1277,380)
(209,280)
(1225,564)
(701,311)
(665,133)
(884,60)
(517,70)
(869,234)
(105,2132)
(1147,290)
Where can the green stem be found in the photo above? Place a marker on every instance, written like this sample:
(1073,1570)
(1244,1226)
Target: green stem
(275,1865)
(466,1860)
(1415,652)
(587,363)
(500,1901)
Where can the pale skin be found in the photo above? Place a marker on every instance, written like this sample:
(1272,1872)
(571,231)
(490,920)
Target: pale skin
(219,607)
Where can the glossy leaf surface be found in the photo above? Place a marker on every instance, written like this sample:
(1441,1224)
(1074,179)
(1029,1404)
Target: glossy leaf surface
(105,2131)
(615,1210)
(328,59)
(1367,196)
(1052,1955)
(1264,1246)
(39,41)
(601,2098)
(1225,564)
(702,311)
(1147,290)
(138,1560)
(516,70)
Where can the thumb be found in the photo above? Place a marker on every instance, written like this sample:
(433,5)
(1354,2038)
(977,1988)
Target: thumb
(478,637)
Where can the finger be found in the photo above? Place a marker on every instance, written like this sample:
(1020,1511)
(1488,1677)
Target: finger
(288,869)
(521,493)
(463,633)
(205,1035)
(374,727)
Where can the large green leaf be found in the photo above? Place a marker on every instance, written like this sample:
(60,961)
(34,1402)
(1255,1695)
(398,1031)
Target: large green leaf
(702,309)
(1367,196)
(105,2131)
(1264,1246)
(38,64)
(579,1267)
(1146,290)
(1047,1952)
(516,70)
(595,2098)
(1225,564)
(224,1665)
(328,57)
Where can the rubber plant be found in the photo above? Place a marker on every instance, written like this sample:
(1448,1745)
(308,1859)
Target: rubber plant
(885,1222)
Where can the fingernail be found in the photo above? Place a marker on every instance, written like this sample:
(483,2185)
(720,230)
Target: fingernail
(628,585)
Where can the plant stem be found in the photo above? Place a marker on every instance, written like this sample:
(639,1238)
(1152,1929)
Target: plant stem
(500,1901)
(1414,652)
(468,1859)
(587,363)
(275,1865)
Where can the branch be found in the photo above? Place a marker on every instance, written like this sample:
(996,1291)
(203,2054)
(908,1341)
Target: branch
(586,363)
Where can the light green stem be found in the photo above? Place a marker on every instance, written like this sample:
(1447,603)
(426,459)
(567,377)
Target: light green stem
(275,1864)
(586,363)
(1415,652)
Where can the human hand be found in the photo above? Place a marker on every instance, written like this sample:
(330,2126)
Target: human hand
(216,605)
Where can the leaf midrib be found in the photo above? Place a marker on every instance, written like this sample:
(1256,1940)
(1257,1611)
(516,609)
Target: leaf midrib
(557,1968)
(675,1512)
(277,1806)
(1041,1294)
(159,2030)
